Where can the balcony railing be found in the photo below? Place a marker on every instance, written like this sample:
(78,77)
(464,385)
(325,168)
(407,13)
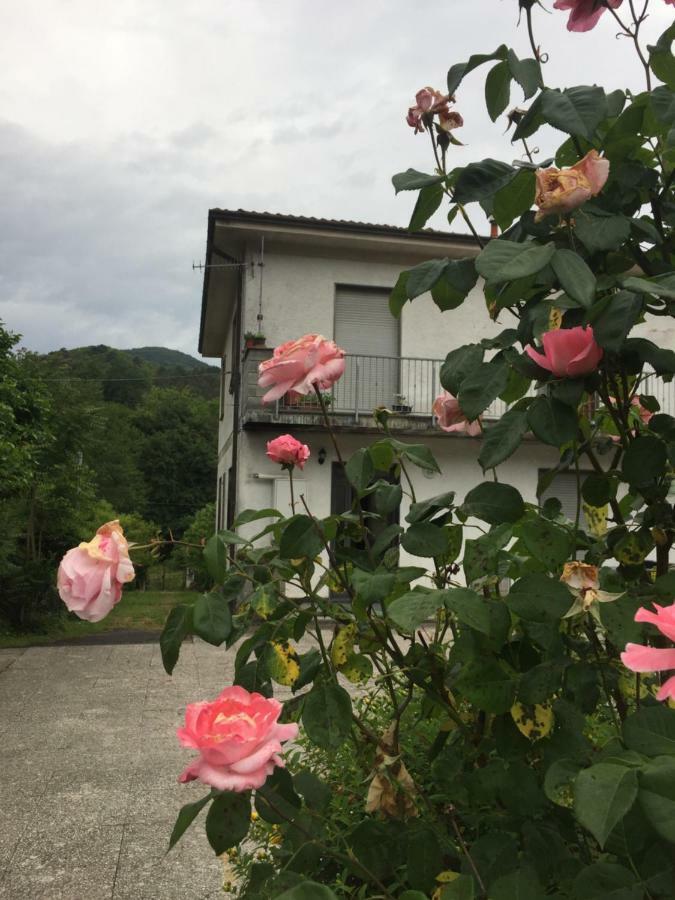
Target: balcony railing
(405,385)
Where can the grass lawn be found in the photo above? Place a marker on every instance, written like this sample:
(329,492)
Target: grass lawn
(136,611)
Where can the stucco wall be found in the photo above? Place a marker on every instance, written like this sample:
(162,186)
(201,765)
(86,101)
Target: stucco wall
(299,297)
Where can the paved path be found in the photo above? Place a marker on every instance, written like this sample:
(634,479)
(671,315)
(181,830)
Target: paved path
(88,768)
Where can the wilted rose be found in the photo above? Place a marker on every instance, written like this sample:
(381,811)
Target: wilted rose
(287,451)
(300,366)
(429,102)
(238,738)
(559,191)
(91,576)
(568,352)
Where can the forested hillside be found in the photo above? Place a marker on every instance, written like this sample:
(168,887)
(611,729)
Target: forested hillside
(91,434)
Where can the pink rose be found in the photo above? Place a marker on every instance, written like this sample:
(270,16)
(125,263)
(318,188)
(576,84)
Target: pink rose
(584,14)
(450,417)
(559,191)
(639,658)
(287,451)
(300,366)
(428,102)
(568,352)
(238,739)
(91,576)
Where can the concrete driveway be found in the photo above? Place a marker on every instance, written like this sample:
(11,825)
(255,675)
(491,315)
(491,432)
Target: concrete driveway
(88,767)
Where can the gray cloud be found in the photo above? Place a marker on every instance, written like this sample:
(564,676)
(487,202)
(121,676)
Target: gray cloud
(120,126)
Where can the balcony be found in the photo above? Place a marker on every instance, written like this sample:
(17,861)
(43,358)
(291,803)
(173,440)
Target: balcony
(405,385)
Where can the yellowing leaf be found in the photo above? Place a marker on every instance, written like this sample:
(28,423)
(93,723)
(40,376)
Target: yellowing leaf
(447,876)
(554,319)
(357,668)
(596,517)
(343,645)
(533,720)
(282,663)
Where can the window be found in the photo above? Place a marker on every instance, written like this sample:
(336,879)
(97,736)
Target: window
(564,488)
(366,329)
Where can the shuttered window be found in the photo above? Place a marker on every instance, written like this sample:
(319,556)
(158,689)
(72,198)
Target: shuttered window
(366,329)
(564,488)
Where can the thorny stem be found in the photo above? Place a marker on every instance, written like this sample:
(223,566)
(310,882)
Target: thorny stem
(595,644)
(633,35)
(322,404)
(326,545)
(290,483)
(465,851)
(538,55)
(441,168)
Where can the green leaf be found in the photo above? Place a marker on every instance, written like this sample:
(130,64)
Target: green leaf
(662,102)
(412,180)
(176,628)
(576,110)
(504,260)
(387,497)
(425,539)
(424,276)
(276,801)
(211,618)
(228,820)
(614,319)
(606,881)
(644,461)
(552,421)
(661,59)
(574,276)
(215,558)
(657,796)
(399,295)
(503,438)
(360,469)
(462,888)
(514,199)
(482,386)
(481,180)
(315,793)
(494,502)
(651,730)
(603,794)
(647,286)
(487,685)
(460,70)
(498,89)
(490,617)
(458,363)
(428,201)
(527,72)
(252,515)
(426,509)
(600,231)
(414,608)
(300,539)
(186,817)
(418,454)
(522,884)
(424,857)
(457,280)
(539,598)
(308,890)
(327,715)
(598,489)
(548,543)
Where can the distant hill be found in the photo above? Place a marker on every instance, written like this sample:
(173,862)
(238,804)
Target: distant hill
(162,356)
(126,375)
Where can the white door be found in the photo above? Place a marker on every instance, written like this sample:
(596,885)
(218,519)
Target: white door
(365,327)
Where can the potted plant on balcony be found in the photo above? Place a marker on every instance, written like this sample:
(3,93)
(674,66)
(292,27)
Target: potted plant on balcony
(254,339)
(400,405)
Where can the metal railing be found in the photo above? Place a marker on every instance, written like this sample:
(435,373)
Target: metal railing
(407,386)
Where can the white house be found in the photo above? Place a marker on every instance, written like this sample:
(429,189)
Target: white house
(286,276)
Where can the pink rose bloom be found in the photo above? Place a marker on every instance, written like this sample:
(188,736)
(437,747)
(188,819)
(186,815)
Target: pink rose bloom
(568,352)
(238,739)
(642,411)
(91,576)
(639,658)
(450,417)
(427,102)
(287,451)
(299,366)
(584,14)
(559,191)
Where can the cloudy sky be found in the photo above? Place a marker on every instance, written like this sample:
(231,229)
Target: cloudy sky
(121,124)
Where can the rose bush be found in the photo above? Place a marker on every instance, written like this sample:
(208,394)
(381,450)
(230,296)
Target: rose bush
(499,696)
